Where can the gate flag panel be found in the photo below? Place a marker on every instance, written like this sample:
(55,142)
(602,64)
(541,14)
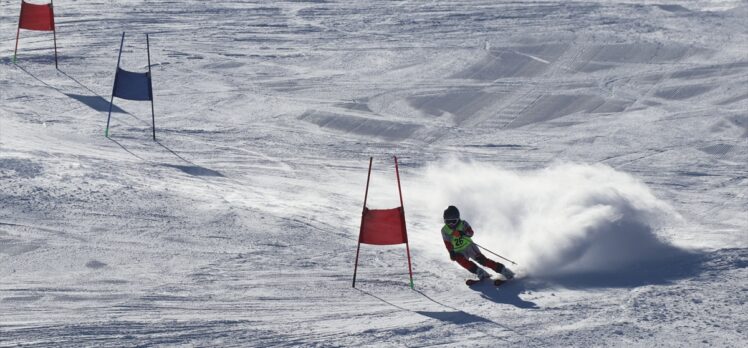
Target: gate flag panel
(132,85)
(383,227)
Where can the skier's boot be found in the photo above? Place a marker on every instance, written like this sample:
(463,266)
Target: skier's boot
(507,273)
(481,273)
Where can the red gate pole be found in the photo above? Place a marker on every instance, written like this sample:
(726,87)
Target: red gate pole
(54,29)
(366,196)
(402,215)
(18,32)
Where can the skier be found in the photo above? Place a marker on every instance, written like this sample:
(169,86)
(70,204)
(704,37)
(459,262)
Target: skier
(457,235)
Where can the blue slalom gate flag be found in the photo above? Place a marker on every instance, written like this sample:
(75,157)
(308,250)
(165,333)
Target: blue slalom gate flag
(132,86)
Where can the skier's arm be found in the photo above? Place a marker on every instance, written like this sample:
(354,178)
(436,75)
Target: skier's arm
(450,248)
(468,230)
(448,243)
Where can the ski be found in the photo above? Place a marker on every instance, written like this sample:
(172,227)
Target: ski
(496,282)
(470,282)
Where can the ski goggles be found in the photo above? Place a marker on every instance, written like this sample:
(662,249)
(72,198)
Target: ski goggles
(451,222)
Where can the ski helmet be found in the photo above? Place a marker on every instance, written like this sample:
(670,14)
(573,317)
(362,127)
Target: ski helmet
(451,213)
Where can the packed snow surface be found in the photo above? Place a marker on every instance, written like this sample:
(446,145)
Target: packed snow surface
(601,147)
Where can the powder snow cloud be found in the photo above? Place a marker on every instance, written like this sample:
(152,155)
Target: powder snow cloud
(564,219)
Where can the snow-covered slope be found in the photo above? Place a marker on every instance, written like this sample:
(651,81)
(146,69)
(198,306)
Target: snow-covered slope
(603,146)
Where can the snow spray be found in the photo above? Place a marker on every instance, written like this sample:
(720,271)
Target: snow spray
(566,218)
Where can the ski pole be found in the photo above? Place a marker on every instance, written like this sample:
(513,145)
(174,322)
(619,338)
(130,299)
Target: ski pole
(514,263)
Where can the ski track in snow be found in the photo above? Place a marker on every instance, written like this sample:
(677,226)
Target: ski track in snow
(601,145)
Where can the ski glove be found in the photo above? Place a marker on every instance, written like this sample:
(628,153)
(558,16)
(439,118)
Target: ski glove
(452,255)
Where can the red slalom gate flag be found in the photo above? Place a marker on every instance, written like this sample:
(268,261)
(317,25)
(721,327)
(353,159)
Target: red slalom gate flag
(36,17)
(383,226)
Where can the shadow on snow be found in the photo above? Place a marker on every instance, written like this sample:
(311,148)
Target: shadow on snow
(675,264)
(507,293)
(191,168)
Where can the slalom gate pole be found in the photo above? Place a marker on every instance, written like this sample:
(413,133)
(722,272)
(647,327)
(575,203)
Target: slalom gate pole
(366,195)
(54,30)
(402,215)
(111,101)
(18,33)
(514,263)
(15,52)
(150,85)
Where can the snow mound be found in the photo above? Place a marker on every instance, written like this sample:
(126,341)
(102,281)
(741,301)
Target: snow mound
(564,220)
